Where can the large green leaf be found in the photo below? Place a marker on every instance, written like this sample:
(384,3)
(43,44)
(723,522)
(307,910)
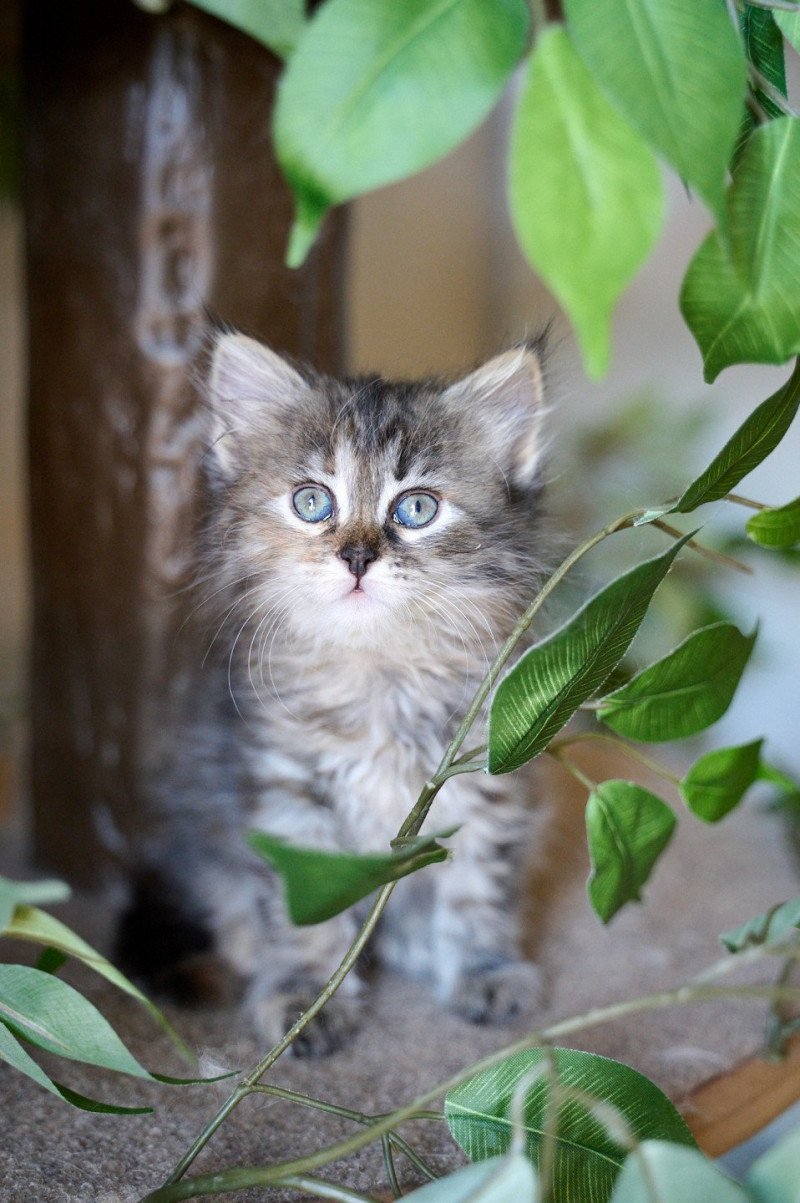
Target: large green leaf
(773,927)
(684,692)
(29,923)
(321,884)
(718,781)
(628,828)
(586,194)
(21,893)
(549,683)
(754,440)
(660,1171)
(587,1160)
(278,24)
(497,1180)
(776,527)
(14,1055)
(764,45)
(744,306)
(675,68)
(378,90)
(54,1016)
(789,24)
(775,1176)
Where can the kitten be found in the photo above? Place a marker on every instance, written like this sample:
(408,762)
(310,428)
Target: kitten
(375,542)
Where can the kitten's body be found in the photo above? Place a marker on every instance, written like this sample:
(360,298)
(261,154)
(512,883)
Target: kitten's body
(358,644)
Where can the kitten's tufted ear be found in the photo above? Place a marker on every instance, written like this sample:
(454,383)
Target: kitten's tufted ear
(506,398)
(248,384)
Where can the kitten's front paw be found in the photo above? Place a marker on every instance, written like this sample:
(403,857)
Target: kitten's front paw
(498,993)
(330,1030)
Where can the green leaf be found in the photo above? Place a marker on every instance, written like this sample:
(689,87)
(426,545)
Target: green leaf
(277,24)
(13,1054)
(744,307)
(775,1176)
(549,683)
(776,527)
(54,1016)
(586,193)
(321,884)
(378,90)
(674,1173)
(587,1160)
(764,44)
(719,780)
(675,68)
(755,439)
(773,927)
(497,1180)
(789,24)
(20,893)
(29,923)
(684,692)
(628,828)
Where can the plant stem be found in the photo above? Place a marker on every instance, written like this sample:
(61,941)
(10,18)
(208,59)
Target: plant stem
(572,768)
(325,1190)
(737,499)
(708,552)
(624,747)
(388,1161)
(227,1181)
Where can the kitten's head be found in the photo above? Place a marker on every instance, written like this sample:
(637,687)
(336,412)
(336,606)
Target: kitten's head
(360,511)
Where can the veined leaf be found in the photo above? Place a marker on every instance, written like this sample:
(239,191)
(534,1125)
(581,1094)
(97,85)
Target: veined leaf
(628,828)
(21,893)
(776,527)
(587,1161)
(755,439)
(497,1180)
(773,927)
(586,194)
(13,1054)
(789,24)
(684,692)
(675,68)
(277,24)
(378,90)
(549,683)
(743,306)
(29,923)
(719,780)
(660,1170)
(321,884)
(775,1175)
(764,42)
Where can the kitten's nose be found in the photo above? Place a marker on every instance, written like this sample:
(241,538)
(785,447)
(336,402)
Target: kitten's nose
(357,557)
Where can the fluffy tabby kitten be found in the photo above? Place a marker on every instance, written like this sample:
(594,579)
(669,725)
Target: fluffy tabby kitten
(374,542)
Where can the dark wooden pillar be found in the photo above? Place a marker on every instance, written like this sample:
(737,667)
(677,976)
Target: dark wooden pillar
(150,192)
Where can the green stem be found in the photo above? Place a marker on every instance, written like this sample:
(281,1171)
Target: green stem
(388,1161)
(403,1146)
(708,553)
(324,1190)
(624,747)
(573,769)
(737,499)
(227,1181)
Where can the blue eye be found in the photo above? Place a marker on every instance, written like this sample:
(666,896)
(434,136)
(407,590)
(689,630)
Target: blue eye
(313,503)
(416,509)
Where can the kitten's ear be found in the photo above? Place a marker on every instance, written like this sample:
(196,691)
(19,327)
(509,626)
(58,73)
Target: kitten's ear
(248,385)
(506,398)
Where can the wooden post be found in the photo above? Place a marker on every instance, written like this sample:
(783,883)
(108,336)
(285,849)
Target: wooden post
(151,192)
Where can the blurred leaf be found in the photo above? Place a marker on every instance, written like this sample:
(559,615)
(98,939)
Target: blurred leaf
(776,527)
(674,1173)
(378,90)
(789,24)
(20,893)
(755,439)
(586,193)
(32,924)
(628,828)
(683,693)
(498,1180)
(770,928)
(552,679)
(587,1160)
(51,960)
(321,884)
(745,307)
(675,68)
(719,780)
(775,1176)
(277,24)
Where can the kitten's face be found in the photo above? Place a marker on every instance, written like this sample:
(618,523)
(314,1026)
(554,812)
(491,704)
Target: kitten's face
(361,512)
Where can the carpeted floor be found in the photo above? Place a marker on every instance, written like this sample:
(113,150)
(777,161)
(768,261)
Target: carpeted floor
(710,879)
